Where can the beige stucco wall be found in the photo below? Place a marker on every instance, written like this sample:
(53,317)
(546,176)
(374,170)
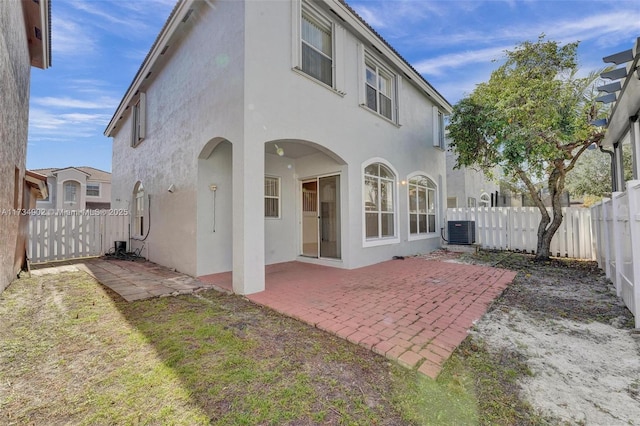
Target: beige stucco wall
(14,104)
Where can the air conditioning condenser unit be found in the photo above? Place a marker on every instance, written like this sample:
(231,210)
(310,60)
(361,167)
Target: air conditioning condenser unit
(461,231)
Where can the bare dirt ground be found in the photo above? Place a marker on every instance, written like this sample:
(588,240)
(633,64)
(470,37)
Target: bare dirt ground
(563,320)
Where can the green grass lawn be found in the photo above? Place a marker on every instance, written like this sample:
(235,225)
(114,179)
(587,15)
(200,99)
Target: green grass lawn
(73,352)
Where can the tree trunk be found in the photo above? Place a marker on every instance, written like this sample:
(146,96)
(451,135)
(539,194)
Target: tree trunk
(548,226)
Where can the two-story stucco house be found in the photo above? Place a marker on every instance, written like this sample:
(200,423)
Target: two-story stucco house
(24,42)
(259,132)
(76,188)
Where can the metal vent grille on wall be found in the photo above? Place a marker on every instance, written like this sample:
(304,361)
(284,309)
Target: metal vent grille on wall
(461,231)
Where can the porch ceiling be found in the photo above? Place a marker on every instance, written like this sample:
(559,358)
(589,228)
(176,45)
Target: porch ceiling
(292,149)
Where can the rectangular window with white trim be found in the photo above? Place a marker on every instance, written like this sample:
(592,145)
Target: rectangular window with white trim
(380,89)
(316,43)
(272,197)
(93,189)
(139,120)
(438,128)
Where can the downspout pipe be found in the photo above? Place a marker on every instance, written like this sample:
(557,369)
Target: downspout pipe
(614,181)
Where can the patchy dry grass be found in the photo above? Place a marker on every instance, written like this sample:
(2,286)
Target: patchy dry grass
(73,352)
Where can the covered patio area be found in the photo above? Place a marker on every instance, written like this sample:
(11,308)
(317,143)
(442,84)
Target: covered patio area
(414,310)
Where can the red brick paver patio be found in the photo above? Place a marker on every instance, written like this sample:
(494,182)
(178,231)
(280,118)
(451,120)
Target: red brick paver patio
(415,311)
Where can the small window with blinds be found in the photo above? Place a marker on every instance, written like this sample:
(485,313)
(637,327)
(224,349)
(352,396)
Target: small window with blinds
(272,197)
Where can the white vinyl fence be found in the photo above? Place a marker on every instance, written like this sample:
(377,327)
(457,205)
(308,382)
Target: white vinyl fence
(64,235)
(616,230)
(516,228)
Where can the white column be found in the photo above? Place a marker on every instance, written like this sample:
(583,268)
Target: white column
(248,217)
(635,148)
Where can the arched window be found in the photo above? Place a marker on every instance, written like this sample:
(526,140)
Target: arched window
(422,205)
(485,201)
(138,225)
(379,201)
(71,192)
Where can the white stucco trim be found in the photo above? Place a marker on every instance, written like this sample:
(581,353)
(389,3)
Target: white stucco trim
(396,231)
(438,208)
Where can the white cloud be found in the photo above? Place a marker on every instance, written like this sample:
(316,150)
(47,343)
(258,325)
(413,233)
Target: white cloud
(100,103)
(69,38)
(69,125)
(459,60)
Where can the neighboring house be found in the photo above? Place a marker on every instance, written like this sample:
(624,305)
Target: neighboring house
(467,187)
(263,132)
(24,42)
(76,188)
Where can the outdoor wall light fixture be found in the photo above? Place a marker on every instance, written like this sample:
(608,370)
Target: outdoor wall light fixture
(279,150)
(213,188)
(171,188)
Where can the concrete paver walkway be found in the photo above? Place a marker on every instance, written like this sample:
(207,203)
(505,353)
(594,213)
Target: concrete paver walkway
(415,311)
(133,280)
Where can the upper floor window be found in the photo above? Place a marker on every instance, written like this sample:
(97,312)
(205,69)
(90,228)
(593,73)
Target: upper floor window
(316,39)
(379,88)
(422,205)
(93,189)
(271,197)
(379,201)
(139,120)
(438,128)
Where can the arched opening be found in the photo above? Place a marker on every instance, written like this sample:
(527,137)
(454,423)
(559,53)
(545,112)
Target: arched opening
(303,201)
(485,200)
(214,208)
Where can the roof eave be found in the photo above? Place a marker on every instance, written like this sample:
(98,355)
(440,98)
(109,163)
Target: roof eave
(628,102)
(38,181)
(381,44)
(37,20)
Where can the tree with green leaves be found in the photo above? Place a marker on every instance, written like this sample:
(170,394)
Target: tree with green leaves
(591,178)
(531,119)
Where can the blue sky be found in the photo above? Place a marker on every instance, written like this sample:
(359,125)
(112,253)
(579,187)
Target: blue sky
(98,45)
